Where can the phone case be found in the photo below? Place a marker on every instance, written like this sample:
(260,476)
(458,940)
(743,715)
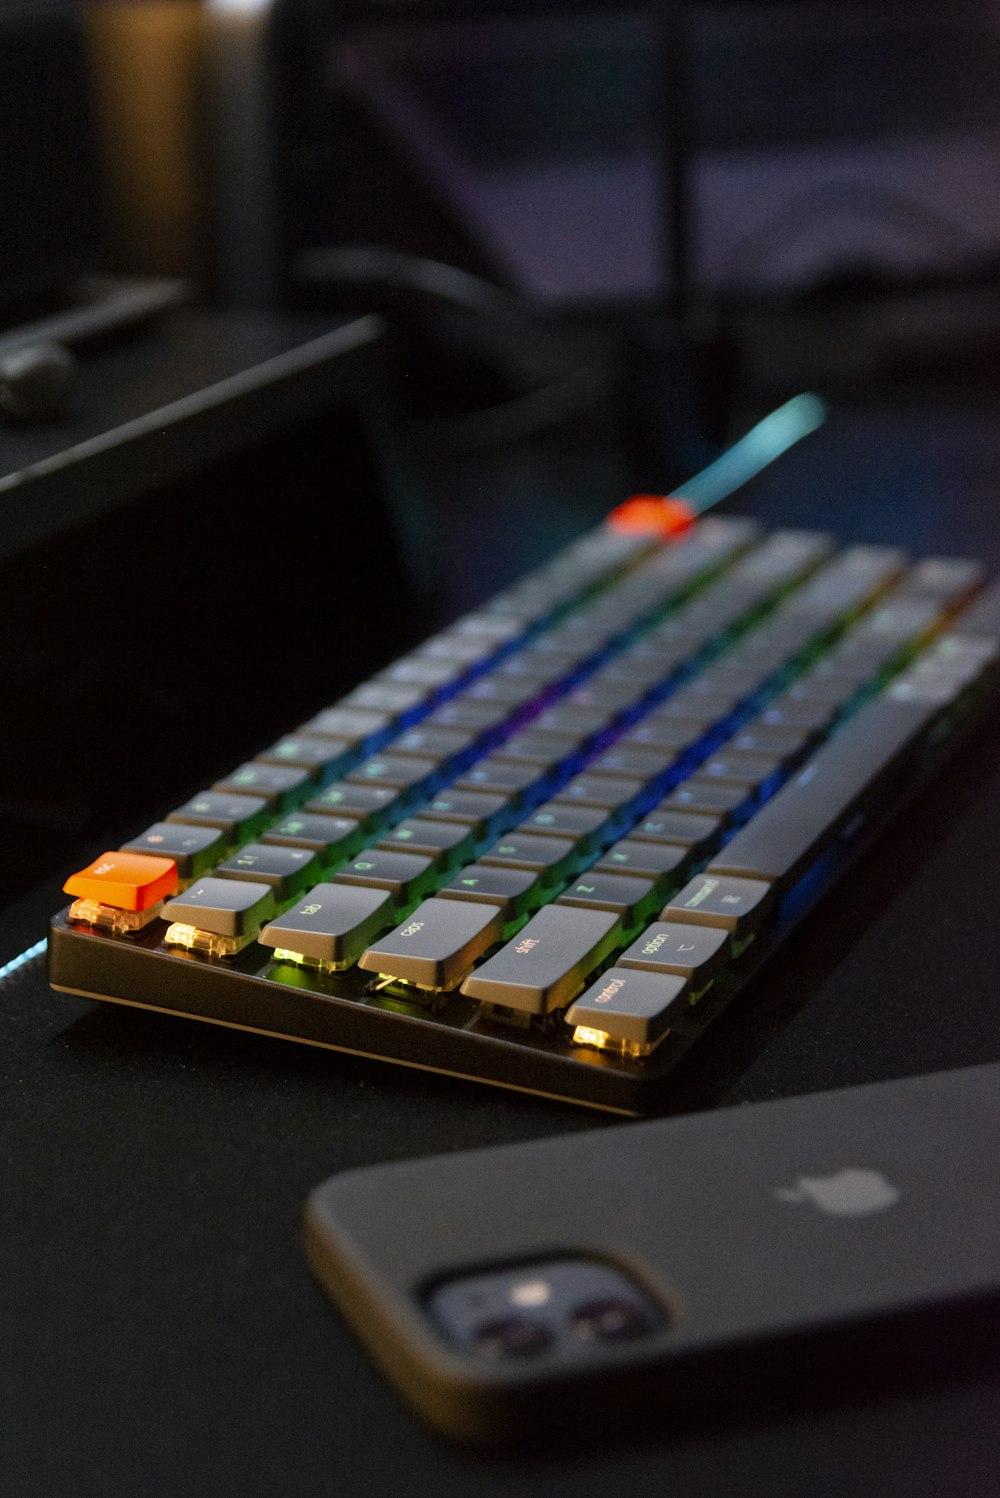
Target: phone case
(819,1240)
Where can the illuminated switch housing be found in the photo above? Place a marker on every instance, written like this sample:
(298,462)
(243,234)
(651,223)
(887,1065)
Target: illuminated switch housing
(121,892)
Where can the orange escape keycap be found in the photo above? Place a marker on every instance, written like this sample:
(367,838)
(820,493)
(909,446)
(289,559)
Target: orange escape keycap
(128,881)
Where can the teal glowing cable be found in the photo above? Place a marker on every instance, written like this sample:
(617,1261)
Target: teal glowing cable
(765,442)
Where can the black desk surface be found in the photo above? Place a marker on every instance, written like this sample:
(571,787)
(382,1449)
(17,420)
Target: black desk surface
(160,1332)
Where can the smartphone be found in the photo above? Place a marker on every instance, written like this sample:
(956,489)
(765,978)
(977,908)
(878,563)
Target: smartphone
(647,1272)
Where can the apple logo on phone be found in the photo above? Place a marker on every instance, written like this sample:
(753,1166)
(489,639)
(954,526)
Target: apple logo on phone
(853,1191)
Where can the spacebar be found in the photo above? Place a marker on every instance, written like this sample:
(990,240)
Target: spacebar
(792,828)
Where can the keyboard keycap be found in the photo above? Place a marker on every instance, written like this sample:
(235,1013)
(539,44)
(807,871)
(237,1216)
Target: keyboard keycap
(732,766)
(500,777)
(128,881)
(588,826)
(436,744)
(406,876)
(477,717)
(355,725)
(322,759)
(331,838)
(667,823)
(447,843)
(667,736)
(331,926)
(645,765)
(514,890)
(631,1007)
(695,952)
(552,857)
(287,870)
(370,805)
(437,945)
(708,798)
(395,770)
(548,962)
(735,905)
(281,786)
(239,817)
(395,699)
(632,899)
(477,810)
(654,861)
(611,792)
(225,907)
(544,750)
(193,849)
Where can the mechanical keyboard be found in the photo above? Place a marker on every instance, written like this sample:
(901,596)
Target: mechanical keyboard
(549,847)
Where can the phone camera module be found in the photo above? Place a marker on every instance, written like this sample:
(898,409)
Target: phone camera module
(611,1320)
(512,1337)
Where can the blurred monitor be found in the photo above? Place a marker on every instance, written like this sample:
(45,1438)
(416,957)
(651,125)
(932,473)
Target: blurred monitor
(821,136)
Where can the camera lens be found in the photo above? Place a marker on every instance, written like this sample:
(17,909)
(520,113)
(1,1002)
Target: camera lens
(512,1337)
(611,1320)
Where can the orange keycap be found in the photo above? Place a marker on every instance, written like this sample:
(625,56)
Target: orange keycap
(128,881)
(653,514)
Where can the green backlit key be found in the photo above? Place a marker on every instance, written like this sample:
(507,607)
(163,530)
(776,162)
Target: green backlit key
(514,890)
(397,771)
(282,786)
(239,817)
(322,758)
(331,838)
(645,860)
(552,857)
(287,870)
(448,843)
(405,875)
(193,849)
(331,926)
(370,805)
(633,899)
(225,907)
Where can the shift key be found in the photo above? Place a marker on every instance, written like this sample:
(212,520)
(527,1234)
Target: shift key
(548,962)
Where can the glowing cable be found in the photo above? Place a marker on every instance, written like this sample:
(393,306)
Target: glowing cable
(765,442)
